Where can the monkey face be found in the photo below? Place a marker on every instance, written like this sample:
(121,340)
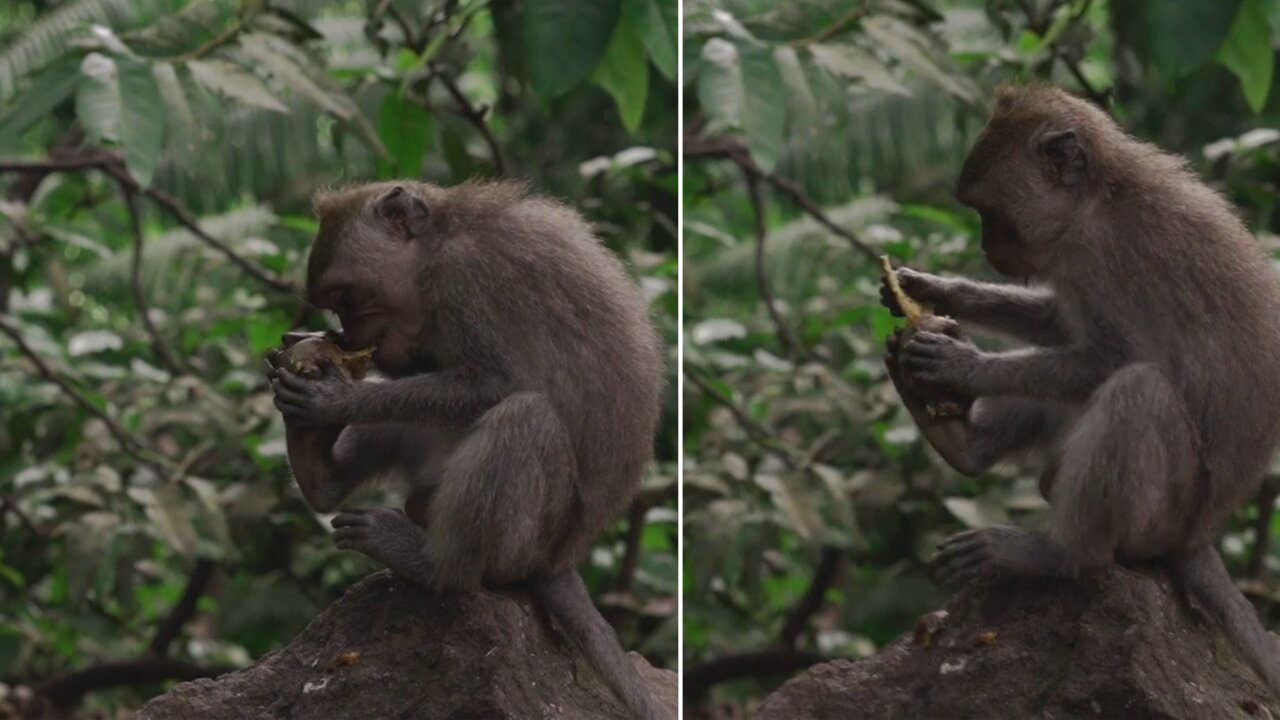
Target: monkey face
(1004,247)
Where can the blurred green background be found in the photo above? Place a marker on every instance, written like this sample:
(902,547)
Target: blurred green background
(811,503)
(147,517)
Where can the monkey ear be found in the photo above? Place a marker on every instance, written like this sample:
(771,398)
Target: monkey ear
(1065,155)
(406,212)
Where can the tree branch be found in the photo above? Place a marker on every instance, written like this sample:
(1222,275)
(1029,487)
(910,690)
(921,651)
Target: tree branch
(112,164)
(779,661)
(474,115)
(826,572)
(184,609)
(65,692)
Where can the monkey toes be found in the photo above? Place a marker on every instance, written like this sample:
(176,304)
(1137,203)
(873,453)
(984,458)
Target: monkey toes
(993,552)
(386,535)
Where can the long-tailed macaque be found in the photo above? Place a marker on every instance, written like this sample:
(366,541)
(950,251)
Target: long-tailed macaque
(1153,377)
(522,394)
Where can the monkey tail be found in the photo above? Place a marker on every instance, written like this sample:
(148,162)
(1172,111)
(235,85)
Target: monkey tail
(1201,573)
(565,596)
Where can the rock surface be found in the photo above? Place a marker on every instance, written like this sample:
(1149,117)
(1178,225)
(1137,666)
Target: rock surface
(387,649)
(1123,645)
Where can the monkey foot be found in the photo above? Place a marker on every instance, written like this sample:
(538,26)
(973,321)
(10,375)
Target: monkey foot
(388,536)
(993,552)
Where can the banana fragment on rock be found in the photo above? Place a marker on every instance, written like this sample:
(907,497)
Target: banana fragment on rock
(920,316)
(309,356)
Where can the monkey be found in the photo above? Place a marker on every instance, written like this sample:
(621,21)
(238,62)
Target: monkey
(1151,376)
(522,392)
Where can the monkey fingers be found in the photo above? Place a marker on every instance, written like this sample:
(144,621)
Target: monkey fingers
(323,401)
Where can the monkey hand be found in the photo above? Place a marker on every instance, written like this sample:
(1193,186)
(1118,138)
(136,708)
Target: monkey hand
(928,289)
(326,400)
(940,362)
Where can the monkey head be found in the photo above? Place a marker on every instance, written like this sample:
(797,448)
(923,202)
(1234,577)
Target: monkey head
(366,264)
(1028,176)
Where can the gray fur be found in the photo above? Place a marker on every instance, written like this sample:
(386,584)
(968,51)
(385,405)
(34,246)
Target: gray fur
(1154,383)
(522,401)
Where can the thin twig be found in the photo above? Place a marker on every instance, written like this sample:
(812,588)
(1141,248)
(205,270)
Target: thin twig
(128,443)
(1266,502)
(474,115)
(158,347)
(845,22)
(188,221)
(724,148)
(756,431)
(790,343)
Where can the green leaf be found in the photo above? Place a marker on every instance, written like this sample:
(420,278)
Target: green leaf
(720,92)
(1176,38)
(802,106)
(98,98)
(180,122)
(287,64)
(118,101)
(658,28)
(913,49)
(48,90)
(1247,52)
(141,119)
(764,116)
(851,62)
(624,73)
(406,130)
(227,78)
(564,41)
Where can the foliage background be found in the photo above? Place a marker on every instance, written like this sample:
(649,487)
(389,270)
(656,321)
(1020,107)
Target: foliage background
(147,516)
(817,136)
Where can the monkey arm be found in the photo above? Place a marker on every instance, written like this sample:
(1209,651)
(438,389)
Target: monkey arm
(454,397)
(1028,314)
(1068,374)
(1060,374)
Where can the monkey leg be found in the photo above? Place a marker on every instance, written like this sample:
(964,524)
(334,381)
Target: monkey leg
(506,497)
(329,463)
(1121,487)
(497,513)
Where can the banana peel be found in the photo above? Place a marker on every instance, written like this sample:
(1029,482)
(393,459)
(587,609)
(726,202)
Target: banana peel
(920,316)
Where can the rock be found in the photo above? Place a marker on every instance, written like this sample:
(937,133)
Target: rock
(1124,644)
(388,649)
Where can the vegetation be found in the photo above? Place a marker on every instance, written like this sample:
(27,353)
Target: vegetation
(819,135)
(156,163)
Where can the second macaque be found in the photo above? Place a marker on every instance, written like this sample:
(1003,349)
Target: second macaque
(1152,379)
